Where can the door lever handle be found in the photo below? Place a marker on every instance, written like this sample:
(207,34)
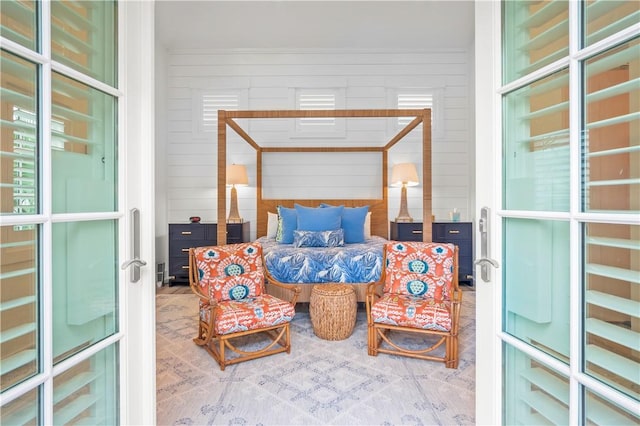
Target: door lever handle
(136,262)
(485,260)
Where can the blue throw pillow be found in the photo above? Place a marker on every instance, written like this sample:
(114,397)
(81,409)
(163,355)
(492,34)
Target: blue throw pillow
(319,219)
(289,223)
(353,219)
(334,238)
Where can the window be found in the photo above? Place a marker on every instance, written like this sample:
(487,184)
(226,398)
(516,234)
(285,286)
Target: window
(208,102)
(418,98)
(318,99)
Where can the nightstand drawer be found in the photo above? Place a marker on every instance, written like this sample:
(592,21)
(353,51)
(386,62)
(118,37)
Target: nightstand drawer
(180,247)
(450,232)
(405,231)
(192,231)
(179,268)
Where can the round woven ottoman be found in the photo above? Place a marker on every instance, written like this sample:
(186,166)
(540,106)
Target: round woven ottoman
(332,308)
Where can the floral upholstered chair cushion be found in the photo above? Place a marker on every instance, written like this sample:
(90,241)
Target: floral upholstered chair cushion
(417,287)
(419,269)
(248,314)
(230,272)
(233,276)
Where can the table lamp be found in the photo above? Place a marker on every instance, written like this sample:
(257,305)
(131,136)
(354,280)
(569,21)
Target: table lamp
(404,174)
(236,176)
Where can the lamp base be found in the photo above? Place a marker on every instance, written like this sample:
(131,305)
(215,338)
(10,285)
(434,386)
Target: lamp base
(403,219)
(234,216)
(403,214)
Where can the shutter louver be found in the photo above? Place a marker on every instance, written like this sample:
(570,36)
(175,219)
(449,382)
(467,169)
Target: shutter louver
(211,103)
(317,102)
(413,101)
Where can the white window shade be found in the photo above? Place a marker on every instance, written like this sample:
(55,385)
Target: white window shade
(318,99)
(206,104)
(413,101)
(419,98)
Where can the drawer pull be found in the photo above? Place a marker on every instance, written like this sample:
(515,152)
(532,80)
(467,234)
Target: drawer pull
(185,267)
(186,232)
(454,231)
(416,231)
(185,250)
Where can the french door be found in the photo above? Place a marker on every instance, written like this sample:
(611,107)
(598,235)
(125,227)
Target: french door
(73,322)
(558,164)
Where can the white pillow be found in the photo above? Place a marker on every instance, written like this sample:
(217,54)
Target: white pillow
(367,226)
(272,225)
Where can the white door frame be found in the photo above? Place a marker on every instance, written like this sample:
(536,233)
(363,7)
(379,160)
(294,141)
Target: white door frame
(137,154)
(488,194)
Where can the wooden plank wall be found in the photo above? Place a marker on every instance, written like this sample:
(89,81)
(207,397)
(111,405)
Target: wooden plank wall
(186,182)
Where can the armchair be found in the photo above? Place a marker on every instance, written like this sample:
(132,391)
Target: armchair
(418,294)
(230,283)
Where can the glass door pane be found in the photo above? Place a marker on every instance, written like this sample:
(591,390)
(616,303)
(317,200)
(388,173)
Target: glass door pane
(536,145)
(24,410)
(612,305)
(601,411)
(18,22)
(84,285)
(536,284)
(535,34)
(19,128)
(83,148)
(84,37)
(87,393)
(537,395)
(612,130)
(605,18)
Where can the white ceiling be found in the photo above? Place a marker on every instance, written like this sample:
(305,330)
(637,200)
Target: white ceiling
(217,24)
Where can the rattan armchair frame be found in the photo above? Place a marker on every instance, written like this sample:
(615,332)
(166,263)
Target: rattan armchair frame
(378,332)
(218,344)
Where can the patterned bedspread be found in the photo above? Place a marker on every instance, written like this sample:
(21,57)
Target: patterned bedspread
(353,263)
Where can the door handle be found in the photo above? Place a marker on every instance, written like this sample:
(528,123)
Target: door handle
(484,261)
(136,263)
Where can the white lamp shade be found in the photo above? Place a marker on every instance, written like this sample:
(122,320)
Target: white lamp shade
(237,175)
(404,173)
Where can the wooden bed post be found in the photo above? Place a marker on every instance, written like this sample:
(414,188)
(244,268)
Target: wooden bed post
(258,187)
(385,184)
(427,208)
(222,177)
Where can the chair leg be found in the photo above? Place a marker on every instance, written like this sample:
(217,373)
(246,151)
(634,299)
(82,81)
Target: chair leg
(203,338)
(372,337)
(451,356)
(288,339)
(222,361)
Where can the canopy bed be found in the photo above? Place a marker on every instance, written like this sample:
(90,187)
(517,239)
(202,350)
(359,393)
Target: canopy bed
(378,207)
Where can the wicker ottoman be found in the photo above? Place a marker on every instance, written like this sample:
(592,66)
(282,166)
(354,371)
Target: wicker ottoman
(332,308)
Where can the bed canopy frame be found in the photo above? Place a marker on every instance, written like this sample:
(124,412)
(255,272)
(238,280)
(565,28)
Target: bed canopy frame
(378,207)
